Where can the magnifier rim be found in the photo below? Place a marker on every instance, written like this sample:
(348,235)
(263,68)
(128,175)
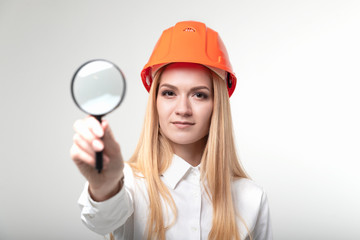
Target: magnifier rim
(122,94)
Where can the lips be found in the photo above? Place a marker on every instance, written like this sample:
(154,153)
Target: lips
(183,124)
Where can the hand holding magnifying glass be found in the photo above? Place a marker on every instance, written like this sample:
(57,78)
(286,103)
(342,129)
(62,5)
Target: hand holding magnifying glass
(98,87)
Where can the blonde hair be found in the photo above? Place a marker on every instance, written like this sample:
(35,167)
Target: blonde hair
(219,165)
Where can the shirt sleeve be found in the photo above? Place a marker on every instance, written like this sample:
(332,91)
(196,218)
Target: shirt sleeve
(262,230)
(104,217)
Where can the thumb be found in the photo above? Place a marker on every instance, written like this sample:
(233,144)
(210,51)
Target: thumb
(111,147)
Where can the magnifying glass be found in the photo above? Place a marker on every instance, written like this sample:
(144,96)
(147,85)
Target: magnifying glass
(97,88)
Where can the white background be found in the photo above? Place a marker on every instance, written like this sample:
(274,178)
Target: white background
(295,109)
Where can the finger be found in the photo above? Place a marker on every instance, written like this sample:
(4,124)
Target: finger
(80,156)
(84,145)
(81,128)
(95,126)
(98,145)
(111,146)
(106,161)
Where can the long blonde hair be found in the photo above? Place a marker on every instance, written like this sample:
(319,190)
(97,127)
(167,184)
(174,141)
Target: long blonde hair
(219,165)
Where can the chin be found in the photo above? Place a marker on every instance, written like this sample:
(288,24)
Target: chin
(185,140)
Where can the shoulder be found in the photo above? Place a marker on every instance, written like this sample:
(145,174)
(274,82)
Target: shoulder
(248,196)
(247,186)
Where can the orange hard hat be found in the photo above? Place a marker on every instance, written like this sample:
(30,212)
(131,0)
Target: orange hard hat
(191,42)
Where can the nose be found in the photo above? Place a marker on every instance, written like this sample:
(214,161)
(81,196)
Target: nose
(183,107)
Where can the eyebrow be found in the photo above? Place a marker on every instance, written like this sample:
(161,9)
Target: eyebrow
(192,89)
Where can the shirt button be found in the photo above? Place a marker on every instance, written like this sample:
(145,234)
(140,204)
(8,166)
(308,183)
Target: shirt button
(194,229)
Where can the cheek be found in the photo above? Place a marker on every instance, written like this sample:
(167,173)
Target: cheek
(163,110)
(206,113)
(209,110)
(209,115)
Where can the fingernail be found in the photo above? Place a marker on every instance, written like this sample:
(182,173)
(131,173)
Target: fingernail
(98,131)
(97,145)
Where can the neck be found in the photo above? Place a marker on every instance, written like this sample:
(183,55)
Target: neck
(191,153)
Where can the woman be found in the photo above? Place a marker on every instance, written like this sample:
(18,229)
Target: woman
(184,180)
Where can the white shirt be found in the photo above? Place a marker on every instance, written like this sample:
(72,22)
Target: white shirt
(126,213)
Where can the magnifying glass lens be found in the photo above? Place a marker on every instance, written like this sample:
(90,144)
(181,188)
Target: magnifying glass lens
(98,87)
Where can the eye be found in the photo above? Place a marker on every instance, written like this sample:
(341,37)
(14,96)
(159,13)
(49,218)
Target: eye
(167,93)
(201,95)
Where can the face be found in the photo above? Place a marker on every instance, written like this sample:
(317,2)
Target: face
(185,103)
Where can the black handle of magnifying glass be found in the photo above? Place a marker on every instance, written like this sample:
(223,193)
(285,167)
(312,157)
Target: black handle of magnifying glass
(99,155)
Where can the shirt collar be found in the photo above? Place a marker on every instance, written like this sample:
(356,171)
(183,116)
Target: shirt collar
(176,171)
